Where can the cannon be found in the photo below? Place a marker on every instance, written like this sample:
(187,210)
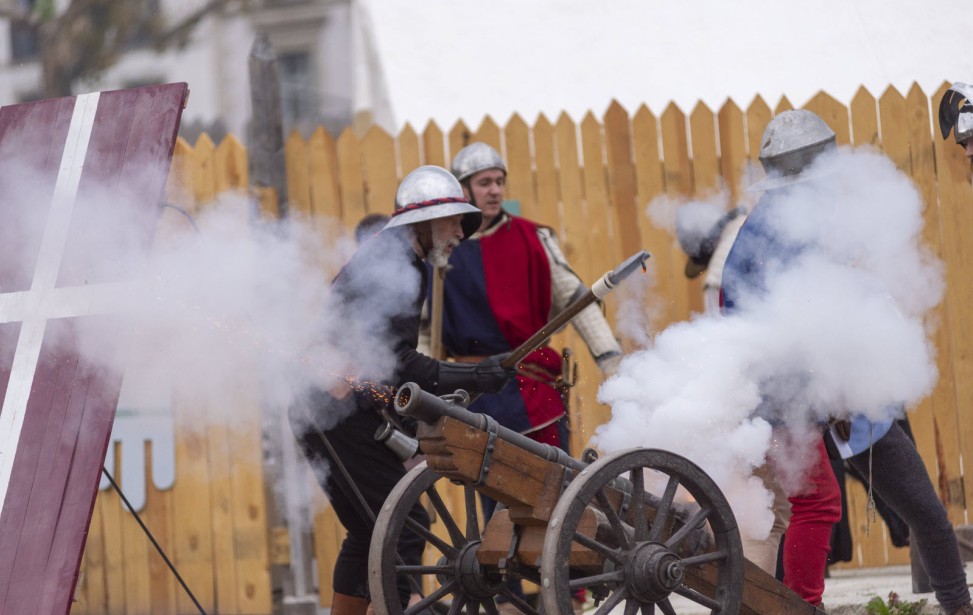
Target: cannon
(564,524)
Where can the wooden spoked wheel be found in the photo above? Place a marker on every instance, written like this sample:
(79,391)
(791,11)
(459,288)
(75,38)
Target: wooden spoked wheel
(464,586)
(647,547)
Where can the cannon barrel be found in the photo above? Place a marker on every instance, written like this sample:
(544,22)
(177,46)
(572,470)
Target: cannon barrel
(413,402)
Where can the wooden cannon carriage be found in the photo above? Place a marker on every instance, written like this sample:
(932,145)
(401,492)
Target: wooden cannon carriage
(566,524)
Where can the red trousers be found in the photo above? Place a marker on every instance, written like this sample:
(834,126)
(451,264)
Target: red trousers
(807,541)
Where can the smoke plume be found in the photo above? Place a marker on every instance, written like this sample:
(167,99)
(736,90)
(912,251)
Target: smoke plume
(838,329)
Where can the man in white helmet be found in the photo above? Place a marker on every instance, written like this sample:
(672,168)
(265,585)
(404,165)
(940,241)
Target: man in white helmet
(502,286)
(376,300)
(956,115)
(793,146)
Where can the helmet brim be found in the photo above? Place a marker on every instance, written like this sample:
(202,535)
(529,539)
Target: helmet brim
(470,222)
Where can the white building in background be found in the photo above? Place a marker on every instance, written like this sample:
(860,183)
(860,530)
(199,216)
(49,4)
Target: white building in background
(314,51)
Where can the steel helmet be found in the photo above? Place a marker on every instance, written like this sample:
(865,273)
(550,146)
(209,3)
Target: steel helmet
(791,142)
(429,193)
(474,158)
(956,112)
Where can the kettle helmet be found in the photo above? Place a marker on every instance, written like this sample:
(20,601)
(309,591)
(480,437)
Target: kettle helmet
(474,158)
(791,142)
(428,193)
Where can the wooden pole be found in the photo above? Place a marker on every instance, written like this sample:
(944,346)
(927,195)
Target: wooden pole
(436,314)
(266,129)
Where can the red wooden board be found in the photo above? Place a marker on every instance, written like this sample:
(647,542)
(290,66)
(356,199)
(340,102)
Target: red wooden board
(67,166)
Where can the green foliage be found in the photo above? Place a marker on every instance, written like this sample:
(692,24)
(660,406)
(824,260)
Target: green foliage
(894,606)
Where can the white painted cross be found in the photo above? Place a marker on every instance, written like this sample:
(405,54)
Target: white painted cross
(34,307)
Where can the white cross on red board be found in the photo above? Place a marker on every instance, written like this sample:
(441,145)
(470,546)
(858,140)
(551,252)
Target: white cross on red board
(57,405)
(43,301)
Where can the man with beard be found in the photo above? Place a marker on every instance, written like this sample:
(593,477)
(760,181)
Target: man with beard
(375,302)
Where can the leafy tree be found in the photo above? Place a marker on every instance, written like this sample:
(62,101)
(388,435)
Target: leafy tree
(78,39)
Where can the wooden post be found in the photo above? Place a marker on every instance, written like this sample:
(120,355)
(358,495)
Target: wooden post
(291,566)
(436,349)
(266,138)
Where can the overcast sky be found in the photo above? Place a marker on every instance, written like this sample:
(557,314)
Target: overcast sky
(449,59)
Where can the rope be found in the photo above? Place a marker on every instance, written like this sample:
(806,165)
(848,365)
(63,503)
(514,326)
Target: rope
(155,544)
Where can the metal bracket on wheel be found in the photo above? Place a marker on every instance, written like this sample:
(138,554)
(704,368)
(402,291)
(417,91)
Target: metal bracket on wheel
(491,430)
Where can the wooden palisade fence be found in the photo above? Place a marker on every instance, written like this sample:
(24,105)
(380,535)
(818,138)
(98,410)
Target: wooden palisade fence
(591,181)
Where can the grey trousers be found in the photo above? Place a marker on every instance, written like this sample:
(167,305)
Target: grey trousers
(899,477)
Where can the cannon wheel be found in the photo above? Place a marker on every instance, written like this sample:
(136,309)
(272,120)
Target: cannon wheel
(646,556)
(464,586)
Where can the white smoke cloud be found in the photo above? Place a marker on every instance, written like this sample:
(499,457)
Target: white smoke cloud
(220,308)
(838,330)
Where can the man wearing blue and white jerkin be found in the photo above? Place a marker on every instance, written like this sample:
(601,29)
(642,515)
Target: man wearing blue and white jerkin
(781,241)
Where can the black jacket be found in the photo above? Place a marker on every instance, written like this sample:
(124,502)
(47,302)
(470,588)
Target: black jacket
(379,296)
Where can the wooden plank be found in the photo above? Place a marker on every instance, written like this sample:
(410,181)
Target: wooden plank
(179,189)
(704,163)
(573,218)
(733,151)
(706,179)
(895,135)
(548,182)
(864,119)
(193,554)
(834,115)
(204,184)
(576,249)
(230,166)
(219,461)
(95,598)
(530,542)
(489,133)
(350,179)
(529,485)
(433,145)
(250,557)
(459,137)
(943,400)
(409,153)
(762,594)
(654,237)
(520,170)
(323,182)
(678,174)
(956,215)
(135,555)
(627,221)
(895,144)
(328,536)
(297,159)
(783,105)
(758,116)
(956,218)
(158,517)
(601,251)
(114,553)
(380,176)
